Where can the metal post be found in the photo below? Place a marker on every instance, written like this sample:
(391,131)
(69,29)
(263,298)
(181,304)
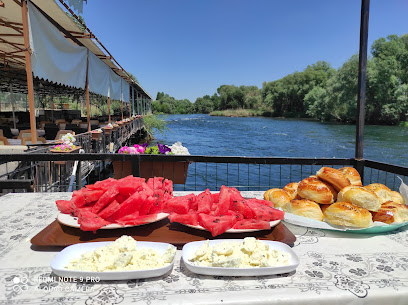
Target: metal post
(362,70)
(88,107)
(109,110)
(137,102)
(133,100)
(29,72)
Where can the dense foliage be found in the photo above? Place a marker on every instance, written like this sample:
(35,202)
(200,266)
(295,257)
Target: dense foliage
(319,92)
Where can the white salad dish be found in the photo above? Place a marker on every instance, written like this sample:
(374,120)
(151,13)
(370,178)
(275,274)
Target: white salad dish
(190,248)
(71,221)
(64,257)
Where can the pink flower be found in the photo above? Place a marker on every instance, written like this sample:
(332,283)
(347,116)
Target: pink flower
(139,149)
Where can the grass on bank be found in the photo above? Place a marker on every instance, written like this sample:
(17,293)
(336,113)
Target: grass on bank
(237,113)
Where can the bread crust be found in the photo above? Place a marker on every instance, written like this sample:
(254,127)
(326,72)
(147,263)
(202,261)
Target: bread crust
(291,189)
(334,177)
(305,208)
(382,191)
(361,197)
(352,175)
(278,197)
(316,190)
(397,197)
(348,214)
(391,212)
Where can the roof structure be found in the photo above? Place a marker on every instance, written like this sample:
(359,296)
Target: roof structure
(12,59)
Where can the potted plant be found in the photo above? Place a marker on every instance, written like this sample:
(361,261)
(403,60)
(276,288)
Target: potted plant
(108,128)
(175,171)
(96,134)
(67,145)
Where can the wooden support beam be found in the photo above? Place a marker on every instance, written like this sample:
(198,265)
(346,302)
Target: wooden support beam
(19,2)
(11,35)
(29,72)
(121,108)
(5,23)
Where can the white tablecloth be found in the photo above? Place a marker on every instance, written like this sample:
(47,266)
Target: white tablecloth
(335,268)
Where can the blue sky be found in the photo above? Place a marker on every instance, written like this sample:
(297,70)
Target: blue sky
(188,48)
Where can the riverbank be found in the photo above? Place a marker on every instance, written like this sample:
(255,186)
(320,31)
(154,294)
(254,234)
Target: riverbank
(239,113)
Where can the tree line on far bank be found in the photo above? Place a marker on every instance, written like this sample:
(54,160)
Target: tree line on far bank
(320,91)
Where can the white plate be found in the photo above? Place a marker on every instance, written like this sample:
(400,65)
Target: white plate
(377,227)
(190,248)
(72,221)
(272,223)
(66,255)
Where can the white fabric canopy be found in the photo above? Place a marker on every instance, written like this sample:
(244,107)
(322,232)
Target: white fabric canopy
(125,91)
(114,85)
(98,75)
(54,58)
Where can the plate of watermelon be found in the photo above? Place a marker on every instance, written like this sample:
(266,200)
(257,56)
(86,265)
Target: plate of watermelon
(111,203)
(249,224)
(71,221)
(223,212)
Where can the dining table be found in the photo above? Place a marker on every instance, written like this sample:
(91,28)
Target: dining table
(335,267)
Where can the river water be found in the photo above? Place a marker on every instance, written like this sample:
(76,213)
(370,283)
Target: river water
(271,137)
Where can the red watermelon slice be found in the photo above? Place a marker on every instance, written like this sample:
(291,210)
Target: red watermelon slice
(90,221)
(105,199)
(252,224)
(223,204)
(179,205)
(239,205)
(65,206)
(109,210)
(264,212)
(134,220)
(216,224)
(188,219)
(129,206)
(204,202)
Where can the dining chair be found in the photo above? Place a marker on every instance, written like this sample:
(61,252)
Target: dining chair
(27,141)
(3,140)
(76,122)
(25,134)
(58,121)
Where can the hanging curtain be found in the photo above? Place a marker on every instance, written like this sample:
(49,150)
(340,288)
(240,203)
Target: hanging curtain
(54,58)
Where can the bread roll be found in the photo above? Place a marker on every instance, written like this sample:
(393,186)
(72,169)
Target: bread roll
(397,197)
(305,208)
(391,212)
(361,197)
(323,207)
(347,214)
(333,176)
(266,194)
(291,189)
(278,197)
(383,192)
(316,190)
(352,174)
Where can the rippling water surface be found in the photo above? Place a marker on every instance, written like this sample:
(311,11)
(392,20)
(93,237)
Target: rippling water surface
(271,137)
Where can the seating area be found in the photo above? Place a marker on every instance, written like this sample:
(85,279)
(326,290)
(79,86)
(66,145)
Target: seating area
(46,130)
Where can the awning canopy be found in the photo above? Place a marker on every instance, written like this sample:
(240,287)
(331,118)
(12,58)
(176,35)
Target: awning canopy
(60,49)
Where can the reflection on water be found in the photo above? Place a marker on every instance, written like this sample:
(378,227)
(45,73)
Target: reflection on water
(271,137)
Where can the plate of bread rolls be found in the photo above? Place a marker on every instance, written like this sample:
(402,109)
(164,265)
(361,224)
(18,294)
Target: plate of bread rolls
(335,199)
